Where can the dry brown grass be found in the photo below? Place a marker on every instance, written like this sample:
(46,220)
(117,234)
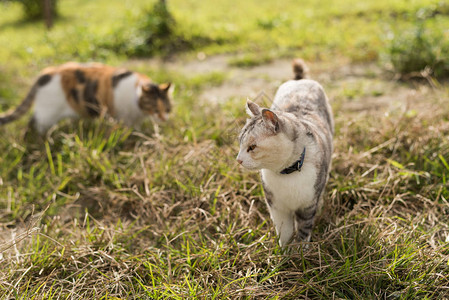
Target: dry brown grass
(135,215)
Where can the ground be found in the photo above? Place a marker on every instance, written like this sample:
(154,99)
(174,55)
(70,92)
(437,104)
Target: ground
(95,210)
(219,215)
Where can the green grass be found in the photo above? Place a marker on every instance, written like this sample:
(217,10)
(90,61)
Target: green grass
(251,60)
(421,50)
(318,29)
(99,211)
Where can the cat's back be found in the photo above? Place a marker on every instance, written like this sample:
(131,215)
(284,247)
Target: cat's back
(294,94)
(88,88)
(79,73)
(305,99)
(73,66)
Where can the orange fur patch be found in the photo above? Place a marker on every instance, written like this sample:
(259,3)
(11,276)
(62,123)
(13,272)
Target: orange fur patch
(88,88)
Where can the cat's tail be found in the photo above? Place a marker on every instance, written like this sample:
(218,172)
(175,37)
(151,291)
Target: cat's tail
(300,69)
(20,110)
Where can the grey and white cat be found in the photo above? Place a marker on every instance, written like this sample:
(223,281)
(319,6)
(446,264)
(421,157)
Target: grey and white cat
(291,145)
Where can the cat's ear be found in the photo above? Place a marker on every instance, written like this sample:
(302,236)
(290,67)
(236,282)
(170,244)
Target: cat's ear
(252,109)
(270,119)
(150,88)
(165,86)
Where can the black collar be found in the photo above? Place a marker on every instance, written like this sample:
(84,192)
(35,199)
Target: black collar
(297,165)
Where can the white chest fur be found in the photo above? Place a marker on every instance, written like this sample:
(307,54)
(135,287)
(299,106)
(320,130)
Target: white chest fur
(126,94)
(291,191)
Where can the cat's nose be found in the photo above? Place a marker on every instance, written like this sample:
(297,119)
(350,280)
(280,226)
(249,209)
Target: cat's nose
(239,161)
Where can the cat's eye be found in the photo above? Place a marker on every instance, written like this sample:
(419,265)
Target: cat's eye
(251,148)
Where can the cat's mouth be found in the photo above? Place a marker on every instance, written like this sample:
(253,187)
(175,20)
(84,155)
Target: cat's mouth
(163,117)
(246,166)
(159,117)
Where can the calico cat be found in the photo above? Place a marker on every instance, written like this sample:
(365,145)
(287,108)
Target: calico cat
(291,144)
(92,90)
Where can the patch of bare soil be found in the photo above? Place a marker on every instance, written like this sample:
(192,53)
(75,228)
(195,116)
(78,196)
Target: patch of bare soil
(353,88)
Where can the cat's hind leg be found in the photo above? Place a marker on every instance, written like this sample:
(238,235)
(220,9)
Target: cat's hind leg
(304,221)
(31,134)
(51,105)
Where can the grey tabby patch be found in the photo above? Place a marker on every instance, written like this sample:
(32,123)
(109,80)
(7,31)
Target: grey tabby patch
(294,134)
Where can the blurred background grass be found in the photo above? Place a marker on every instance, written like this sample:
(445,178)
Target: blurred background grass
(110,31)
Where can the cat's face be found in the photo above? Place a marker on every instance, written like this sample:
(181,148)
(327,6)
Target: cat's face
(263,144)
(155,100)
